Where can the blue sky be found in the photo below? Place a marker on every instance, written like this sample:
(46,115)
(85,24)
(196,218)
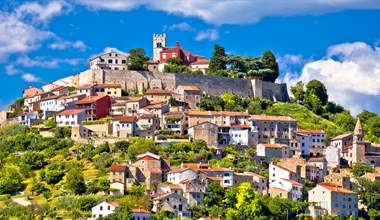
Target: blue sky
(336,43)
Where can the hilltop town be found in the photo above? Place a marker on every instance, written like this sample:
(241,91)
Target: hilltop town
(181,136)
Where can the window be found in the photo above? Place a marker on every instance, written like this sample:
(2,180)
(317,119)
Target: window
(109,207)
(101,208)
(110,61)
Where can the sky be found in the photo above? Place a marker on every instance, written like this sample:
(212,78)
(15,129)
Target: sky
(336,42)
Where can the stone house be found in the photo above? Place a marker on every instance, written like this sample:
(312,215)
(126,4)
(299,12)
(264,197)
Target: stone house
(124,126)
(188,96)
(227,175)
(133,104)
(274,129)
(270,151)
(175,121)
(342,141)
(113,90)
(109,61)
(206,131)
(258,182)
(286,188)
(148,169)
(307,170)
(340,179)
(336,200)
(158,95)
(173,202)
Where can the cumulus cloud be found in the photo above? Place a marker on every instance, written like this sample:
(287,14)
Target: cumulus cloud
(28,77)
(351,73)
(290,60)
(62,45)
(234,12)
(47,62)
(183,26)
(209,34)
(41,12)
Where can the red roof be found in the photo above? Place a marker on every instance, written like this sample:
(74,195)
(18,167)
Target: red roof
(32,91)
(118,167)
(89,99)
(200,62)
(304,131)
(113,203)
(125,119)
(71,112)
(139,210)
(274,145)
(335,188)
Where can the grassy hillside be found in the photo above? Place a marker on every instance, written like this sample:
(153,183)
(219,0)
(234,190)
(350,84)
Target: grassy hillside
(306,118)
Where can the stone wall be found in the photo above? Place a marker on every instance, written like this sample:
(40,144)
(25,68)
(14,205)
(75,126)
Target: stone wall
(140,80)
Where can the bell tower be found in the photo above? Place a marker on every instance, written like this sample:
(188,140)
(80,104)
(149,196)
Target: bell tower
(159,42)
(358,145)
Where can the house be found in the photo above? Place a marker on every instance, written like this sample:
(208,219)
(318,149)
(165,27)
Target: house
(157,108)
(68,101)
(258,182)
(226,175)
(286,188)
(27,119)
(112,60)
(284,182)
(124,126)
(118,108)
(95,106)
(220,118)
(140,214)
(342,141)
(31,91)
(188,96)
(177,175)
(158,95)
(162,53)
(312,142)
(133,104)
(241,135)
(337,201)
(175,121)
(32,103)
(147,124)
(340,179)
(148,169)
(113,90)
(308,170)
(103,209)
(60,90)
(269,151)
(173,202)
(50,103)
(274,129)
(70,117)
(207,132)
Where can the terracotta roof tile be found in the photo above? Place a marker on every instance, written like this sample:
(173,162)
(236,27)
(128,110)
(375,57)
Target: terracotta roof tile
(272,118)
(89,99)
(304,131)
(125,119)
(118,167)
(335,188)
(71,112)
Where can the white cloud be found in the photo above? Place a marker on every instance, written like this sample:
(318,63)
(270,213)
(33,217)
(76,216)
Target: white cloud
(62,45)
(41,12)
(47,62)
(183,26)
(351,73)
(18,37)
(28,77)
(290,60)
(11,70)
(209,34)
(235,12)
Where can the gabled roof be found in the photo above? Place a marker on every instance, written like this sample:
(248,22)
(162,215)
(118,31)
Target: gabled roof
(118,167)
(335,188)
(51,97)
(125,119)
(148,154)
(341,136)
(89,99)
(71,112)
(205,122)
(115,204)
(139,210)
(306,131)
(200,62)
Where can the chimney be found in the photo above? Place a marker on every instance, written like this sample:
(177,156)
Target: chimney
(177,44)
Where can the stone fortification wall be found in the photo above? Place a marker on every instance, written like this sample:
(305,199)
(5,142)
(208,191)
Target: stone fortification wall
(140,80)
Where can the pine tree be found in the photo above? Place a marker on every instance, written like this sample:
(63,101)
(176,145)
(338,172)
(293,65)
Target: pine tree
(217,62)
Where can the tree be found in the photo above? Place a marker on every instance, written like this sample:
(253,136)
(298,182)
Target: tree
(10,180)
(298,92)
(217,62)
(269,61)
(32,159)
(176,65)
(137,57)
(139,146)
(345,121)
(215,196)
(313,103)
(359,169)
(62,132)
(317,88)
(75,181)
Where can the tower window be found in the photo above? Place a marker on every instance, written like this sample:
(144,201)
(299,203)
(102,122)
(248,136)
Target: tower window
(159,44)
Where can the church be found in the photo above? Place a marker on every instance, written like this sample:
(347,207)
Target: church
(361,151)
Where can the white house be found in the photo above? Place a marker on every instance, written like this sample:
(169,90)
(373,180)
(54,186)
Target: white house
(312,142)
(70,117)
(103,209)
(176,176)
(240,135)
(124,126)
(27,119)
(293,188)
(332,157)
(49,104)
